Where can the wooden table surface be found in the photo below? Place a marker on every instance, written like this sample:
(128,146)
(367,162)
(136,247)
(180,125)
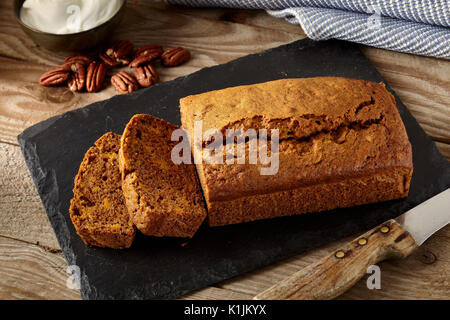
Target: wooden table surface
(31,263)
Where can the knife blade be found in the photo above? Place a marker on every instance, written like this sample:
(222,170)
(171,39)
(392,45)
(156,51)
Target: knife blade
(428,217)
(337,272)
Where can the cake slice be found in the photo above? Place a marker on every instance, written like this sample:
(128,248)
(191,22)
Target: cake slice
(97,208)
(163,198)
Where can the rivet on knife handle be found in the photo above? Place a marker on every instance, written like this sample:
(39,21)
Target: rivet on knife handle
(333,275)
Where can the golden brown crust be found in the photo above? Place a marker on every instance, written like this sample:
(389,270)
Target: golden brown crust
(368,188)
(305,100)
(332,130)
(163,199)
(97,209)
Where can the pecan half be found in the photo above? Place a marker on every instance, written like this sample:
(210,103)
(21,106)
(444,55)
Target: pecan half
(55,76)
(108,60)
(146,75)
(152,48)
(124,83)
(175,56)
(78,78)
(143,59)
(95,76)
(121,51)
(80,58)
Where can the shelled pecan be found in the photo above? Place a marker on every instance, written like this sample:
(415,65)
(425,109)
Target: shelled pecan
(108,60)
(144,59)
(175,56)
(149,49)
(55,76)
(120,51)
(95,76)
(146,54)
(77,79)
(124,83)
(146,75)
(80,58)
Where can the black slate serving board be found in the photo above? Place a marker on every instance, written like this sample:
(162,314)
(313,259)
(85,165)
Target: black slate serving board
(163,268)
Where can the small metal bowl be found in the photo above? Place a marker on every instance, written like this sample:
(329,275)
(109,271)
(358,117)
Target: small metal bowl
(74,41)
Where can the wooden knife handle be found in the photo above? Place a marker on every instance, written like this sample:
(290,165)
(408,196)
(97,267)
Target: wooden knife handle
(339,271)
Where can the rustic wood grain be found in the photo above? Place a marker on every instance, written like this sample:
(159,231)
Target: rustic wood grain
(31,264)
(215,293)
(28,271)
(22,215)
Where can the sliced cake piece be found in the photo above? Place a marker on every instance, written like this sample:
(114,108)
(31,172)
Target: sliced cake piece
(98,209)
(163,198)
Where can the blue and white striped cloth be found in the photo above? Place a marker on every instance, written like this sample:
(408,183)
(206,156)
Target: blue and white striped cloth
(414,26)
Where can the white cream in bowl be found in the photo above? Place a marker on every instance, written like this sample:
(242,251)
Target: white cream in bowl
(67,16)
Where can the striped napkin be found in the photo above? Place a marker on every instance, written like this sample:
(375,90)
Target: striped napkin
(414,26)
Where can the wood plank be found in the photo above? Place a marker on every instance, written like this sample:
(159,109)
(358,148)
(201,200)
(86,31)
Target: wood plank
(214,293)
(28,271)
(24,102)
(22,215)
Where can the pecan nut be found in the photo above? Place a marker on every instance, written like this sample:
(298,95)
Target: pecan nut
(155,49)
(146,54)
(78,78)
(146,75)
(95,76)
(124,83)
(80,58)
(121,51)
(108,60)
(175,56)
(144,59)
(55,76)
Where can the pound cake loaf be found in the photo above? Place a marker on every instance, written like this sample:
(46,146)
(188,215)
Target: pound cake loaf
(163,198)
(97,208)
(341,143)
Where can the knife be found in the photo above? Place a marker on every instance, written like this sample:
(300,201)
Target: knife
(336,273)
